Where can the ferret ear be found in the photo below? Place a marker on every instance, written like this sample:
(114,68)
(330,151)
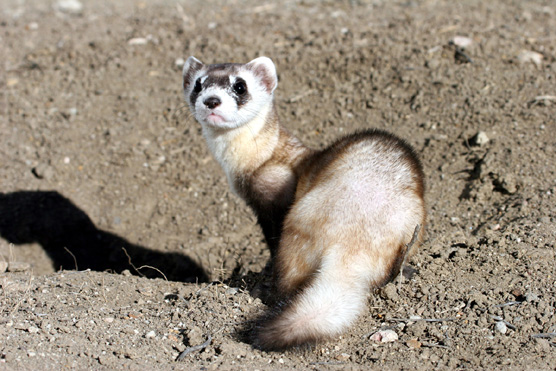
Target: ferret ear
(191,66)
(265,70)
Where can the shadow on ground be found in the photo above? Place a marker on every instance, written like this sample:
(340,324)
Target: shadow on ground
(72,240)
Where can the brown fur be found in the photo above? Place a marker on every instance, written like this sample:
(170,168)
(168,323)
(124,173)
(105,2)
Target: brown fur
(337,220)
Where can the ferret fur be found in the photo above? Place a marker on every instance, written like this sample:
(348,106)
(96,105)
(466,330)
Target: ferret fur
(337,220)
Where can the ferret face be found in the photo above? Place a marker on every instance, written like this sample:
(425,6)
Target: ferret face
(227,96)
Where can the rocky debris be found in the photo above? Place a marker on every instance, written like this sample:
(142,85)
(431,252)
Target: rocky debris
(462,41)
(527,56)
(480,139)
(384,336)
(74,7)
(501,327)
(43,171)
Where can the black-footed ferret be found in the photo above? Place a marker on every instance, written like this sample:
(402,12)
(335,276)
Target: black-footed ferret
(337,221)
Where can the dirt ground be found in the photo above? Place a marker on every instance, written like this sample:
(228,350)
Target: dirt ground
(125,246)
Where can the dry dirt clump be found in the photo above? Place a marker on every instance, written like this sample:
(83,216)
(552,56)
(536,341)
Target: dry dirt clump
(121,245)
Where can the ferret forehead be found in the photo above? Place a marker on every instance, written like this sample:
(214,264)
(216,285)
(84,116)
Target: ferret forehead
(217,74)
(223,69)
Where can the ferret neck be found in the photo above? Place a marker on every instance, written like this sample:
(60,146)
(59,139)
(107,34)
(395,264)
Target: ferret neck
(244,149)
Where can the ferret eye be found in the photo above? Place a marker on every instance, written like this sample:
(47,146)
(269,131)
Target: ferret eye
(198,87)
(240,87)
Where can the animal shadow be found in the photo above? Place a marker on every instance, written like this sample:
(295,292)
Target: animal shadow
(71,239)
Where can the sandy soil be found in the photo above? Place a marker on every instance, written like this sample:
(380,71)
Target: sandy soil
(125,246)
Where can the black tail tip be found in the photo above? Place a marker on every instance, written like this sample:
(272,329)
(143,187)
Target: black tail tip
(272,335)
(266,337)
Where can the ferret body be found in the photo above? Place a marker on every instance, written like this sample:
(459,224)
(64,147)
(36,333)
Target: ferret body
(337,221)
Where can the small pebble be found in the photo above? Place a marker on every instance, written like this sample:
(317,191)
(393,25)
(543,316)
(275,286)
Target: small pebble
(104,359)
(179,62)
(527,56)
(414,343)
(384,336)
(43,171)
(343,357)
(33,329)
(12,82)
(232,291)
(195,336)
(501,327)
(69,6)
(3,266)
(150,334)
(390,292)
(138,41)
(480,139)
(461,41)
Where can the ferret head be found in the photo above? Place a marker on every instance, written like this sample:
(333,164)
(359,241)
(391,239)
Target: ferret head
(227,96)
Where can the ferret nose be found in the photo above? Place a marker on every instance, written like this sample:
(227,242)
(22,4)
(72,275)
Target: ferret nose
(212,102)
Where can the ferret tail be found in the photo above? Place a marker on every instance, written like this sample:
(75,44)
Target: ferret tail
(323,309)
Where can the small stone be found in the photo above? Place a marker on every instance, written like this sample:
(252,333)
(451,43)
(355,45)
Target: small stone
(390,292)
(501,327)
(33,329)
(232,291)
(413,343)
(126,273)
(527,56)
(507,183)
(105,359)
(480,139)
(43,171)
(343,357)
(12,82)
(461,41)
(69,6)
(18,267)
(179,62)
(3,266)
(195,336)
(138,41)
(517,293)
(384,336)
(150,334)
(109,319)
